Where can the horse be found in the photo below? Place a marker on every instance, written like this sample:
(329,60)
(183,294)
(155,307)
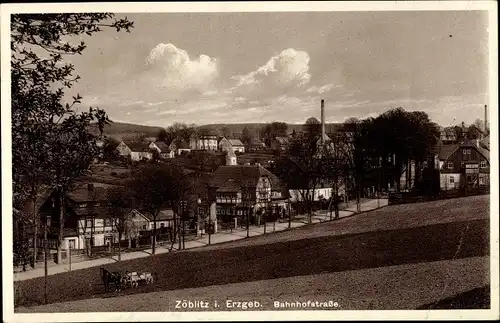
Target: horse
(111,279)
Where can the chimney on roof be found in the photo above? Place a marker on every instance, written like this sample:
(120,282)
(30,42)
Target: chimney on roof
(323,134)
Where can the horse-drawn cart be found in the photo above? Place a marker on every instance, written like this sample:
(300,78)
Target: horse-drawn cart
(115,281)
(134,279)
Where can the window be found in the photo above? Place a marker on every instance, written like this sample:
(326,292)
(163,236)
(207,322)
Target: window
(82,205)
(107,222)
(483,164)
(162,225)
(143,227)
(89,223)
(449,164)
(452,180)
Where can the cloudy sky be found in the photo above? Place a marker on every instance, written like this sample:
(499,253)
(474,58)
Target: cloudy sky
(260,67)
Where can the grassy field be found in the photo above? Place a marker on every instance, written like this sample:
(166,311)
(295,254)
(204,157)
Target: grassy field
(398,235)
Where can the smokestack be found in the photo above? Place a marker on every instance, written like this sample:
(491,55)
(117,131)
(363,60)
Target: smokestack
(323,134)
(485,117)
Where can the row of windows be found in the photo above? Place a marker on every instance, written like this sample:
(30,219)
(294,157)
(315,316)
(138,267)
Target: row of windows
(482,164)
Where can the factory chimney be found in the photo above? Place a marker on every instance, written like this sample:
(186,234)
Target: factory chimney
(485,118)
(323,133)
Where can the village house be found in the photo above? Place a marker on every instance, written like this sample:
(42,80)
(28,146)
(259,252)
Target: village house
(162,149)
(280,143)
(136,150)
(140,151)
(123,149)
(234,145)
(144,221)
(179,146)
(256,145)
(448,135)
(243,189)
(463,164)
(205,140)
(89,221)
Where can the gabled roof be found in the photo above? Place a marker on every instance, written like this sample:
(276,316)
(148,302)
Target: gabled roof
(282,140)
(180,143)
(163,146)
(139,146)
(445,151)
(232,177)
(83,194)
(230,186)
(256,141)
(235,142)
(164,215)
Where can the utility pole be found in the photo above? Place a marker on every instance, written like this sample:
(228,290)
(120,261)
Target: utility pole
(45,238)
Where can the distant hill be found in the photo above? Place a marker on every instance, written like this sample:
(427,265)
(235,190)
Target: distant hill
(121,131)
(254,127)
(127,131)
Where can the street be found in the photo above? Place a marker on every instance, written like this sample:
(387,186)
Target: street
(308,254)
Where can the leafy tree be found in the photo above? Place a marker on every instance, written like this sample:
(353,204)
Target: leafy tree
(159,186)
(246,135)
(312,128)
(226,132)
(302,170)
(109,152)
(271,130)
(41,124)
(162,135)
(180,129)
(120,206)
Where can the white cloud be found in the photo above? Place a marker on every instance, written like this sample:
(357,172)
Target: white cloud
(176,70)
(323,89)
(289,68)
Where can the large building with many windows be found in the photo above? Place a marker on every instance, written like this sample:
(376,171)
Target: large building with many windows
(463,164)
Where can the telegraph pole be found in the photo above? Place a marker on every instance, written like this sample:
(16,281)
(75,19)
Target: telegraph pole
(45,238)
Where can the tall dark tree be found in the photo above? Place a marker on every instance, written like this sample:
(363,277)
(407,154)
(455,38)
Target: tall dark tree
(39,77)
(312,128)
(302,170)
(271,130)
(158,186)
(246,135)
(121,202)
(162,135)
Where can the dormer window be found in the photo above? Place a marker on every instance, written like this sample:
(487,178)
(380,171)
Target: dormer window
(449,164)
(82,205)
(483,164)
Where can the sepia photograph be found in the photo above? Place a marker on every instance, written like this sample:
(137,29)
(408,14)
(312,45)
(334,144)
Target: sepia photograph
(249,161)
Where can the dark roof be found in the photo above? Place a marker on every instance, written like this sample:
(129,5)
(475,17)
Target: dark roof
(282,140)
(207,133)
(180,143)
(163,146)
(231,177)
(164,215)
(83,194)
(445,151)
(139,146)
(230,186)
(235,142)
(256,141)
